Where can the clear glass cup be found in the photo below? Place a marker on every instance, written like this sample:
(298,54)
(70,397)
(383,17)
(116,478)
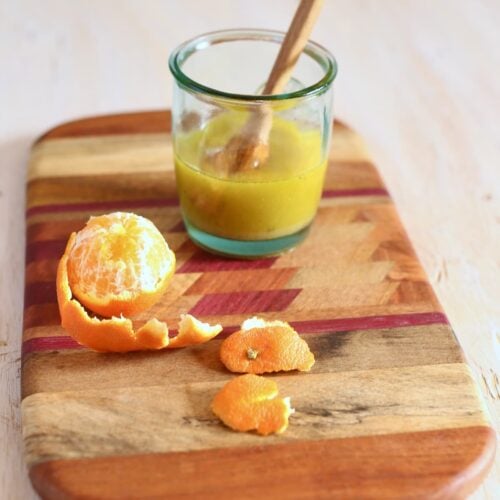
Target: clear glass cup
(265,205)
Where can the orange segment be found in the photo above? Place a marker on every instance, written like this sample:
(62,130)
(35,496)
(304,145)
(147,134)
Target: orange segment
(107,335)
(262,347)
(250,402)
(118,264)
(193,331)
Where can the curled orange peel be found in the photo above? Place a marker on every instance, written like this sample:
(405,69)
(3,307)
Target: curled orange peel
(117,334)
(193,331)
(250,402)
(265,346)
(106,335)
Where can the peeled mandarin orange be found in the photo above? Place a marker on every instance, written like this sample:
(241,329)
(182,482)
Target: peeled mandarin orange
(250,402)
(117,334)
(105,335)
(263,347)
(119,264)
(193,331)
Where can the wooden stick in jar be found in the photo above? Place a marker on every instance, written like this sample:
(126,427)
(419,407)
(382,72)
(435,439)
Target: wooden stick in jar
(250,149)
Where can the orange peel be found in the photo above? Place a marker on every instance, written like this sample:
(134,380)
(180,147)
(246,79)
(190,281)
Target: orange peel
(105,335)
(265,346)
(117,334)
(193,331)
(250,402)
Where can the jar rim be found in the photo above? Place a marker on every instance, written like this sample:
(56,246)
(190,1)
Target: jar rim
(314,50)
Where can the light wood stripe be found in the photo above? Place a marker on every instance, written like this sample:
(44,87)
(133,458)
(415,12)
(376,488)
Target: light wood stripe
(128,154)
(341,351)
(89,156)
(177,417)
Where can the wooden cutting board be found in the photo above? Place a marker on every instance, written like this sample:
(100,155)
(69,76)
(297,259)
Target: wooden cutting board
(389,410)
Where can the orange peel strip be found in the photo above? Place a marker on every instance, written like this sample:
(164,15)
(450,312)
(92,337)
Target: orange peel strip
(193,331)
(264,347)
(250,402)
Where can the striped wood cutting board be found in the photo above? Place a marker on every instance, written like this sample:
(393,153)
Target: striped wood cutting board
(389,409)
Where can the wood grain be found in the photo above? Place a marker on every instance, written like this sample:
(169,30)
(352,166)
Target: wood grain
(176,416)
(129,123)
(356,270)
(78,369)
(393,467)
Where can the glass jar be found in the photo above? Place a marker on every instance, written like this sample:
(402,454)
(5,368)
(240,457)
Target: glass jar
(249,167)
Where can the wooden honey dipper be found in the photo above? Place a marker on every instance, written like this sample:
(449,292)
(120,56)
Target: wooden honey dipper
(249,148)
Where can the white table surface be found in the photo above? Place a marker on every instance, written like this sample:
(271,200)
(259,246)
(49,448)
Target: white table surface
(420,80)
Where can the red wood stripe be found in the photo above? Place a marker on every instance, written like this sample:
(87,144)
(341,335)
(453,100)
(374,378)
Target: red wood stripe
(40,344)
(170,202)
(45,250)
(244,302)
(40,292)
(49,344)
(203,261)
(370,322)
(43,231)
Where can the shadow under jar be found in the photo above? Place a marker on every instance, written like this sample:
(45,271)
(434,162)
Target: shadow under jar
(267,208)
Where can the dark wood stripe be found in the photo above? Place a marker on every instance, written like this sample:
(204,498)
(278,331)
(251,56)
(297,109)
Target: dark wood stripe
(50,230)
(244,302)
(101,205)
(145,122)
(59,343)
(433,464)
(203,262)
(45,250)
(44,231)
(40,293)
(77,369)
(41,315)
